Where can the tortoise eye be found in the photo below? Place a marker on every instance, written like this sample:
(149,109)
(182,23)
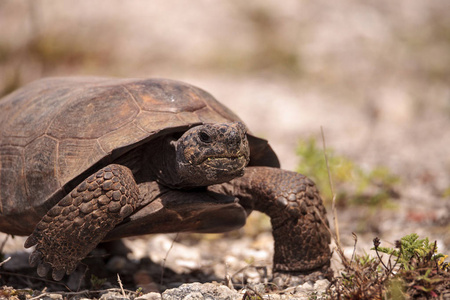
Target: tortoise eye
(204,137)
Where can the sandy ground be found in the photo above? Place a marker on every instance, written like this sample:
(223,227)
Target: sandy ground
(374,75)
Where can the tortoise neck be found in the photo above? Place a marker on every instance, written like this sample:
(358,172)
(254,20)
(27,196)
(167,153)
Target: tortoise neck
(160,163)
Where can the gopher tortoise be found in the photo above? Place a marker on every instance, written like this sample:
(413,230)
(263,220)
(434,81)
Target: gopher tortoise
(86,160)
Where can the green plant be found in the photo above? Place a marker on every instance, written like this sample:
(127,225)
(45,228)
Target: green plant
(374,187)
(96,282)
(418,269)
(395,289)
(362,278)
(413,252)
(139,292)
(413,269)
(446,193)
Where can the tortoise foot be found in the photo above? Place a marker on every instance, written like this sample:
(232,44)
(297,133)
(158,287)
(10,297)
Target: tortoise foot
(45,264)
(43,267)
(75,226)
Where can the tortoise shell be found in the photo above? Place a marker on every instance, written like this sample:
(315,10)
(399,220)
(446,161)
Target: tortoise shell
(55,131)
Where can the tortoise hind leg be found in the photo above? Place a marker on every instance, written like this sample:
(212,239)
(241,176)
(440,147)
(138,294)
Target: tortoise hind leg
(74,226)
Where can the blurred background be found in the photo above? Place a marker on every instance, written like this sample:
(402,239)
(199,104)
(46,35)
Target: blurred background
(375,75)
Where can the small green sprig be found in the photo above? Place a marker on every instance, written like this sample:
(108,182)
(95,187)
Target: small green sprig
(412,252)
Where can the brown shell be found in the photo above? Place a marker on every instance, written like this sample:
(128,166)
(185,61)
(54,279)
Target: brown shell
(55,129)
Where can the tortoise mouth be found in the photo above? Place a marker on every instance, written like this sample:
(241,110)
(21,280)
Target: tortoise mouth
(226,163)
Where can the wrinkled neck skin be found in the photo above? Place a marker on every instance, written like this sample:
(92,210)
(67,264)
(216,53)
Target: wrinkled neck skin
(161,162)
(164,164)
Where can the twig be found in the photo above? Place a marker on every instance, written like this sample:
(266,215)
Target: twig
(39,296)
(333,203)
(121,286)
(163,265)
(242,269)
(228,280)
(83,292)
(376,244)
(247,296)
(400,252)
(5,261)
(355,237)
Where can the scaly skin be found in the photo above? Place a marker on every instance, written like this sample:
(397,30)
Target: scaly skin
(75,226)
(297,214)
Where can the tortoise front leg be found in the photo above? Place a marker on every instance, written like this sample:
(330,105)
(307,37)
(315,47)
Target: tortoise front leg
(297,214)
(74,226)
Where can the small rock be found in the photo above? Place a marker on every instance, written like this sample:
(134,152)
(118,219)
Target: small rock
(200,291)
(52,297)
(173,255)
(258,287)
(273,297)
(252,275)
(195,296)
(321,285)
(308,289)
(278,281)
(113,296)
(149,296)
(304,288)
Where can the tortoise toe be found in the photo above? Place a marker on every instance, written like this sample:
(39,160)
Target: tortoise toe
(35,258)
(57,275)
(43,269)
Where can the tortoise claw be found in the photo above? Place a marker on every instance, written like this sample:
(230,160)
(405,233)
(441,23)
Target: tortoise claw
(31,241)
(43,269)
(35,258)
(58,274)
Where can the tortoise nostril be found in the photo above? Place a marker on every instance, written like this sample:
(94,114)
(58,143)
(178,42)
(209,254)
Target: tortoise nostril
(234,139)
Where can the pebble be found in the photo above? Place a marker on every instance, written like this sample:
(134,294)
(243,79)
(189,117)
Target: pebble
(52,297)
(201,291)
(113,296)
(149,296)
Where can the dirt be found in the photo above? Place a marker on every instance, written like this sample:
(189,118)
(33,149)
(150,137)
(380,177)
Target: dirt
(373,75)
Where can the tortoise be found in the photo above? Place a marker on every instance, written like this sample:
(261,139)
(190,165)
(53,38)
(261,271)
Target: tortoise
(87,159)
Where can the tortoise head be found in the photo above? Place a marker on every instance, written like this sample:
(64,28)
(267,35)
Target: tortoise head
(212,153)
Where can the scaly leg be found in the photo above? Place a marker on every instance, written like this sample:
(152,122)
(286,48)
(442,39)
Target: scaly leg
(297,214)
(74,226)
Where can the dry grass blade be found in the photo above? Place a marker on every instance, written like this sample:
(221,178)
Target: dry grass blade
(163,265)
(5,261)
(333,203)
(121,286)
(366,277)
(360,279)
